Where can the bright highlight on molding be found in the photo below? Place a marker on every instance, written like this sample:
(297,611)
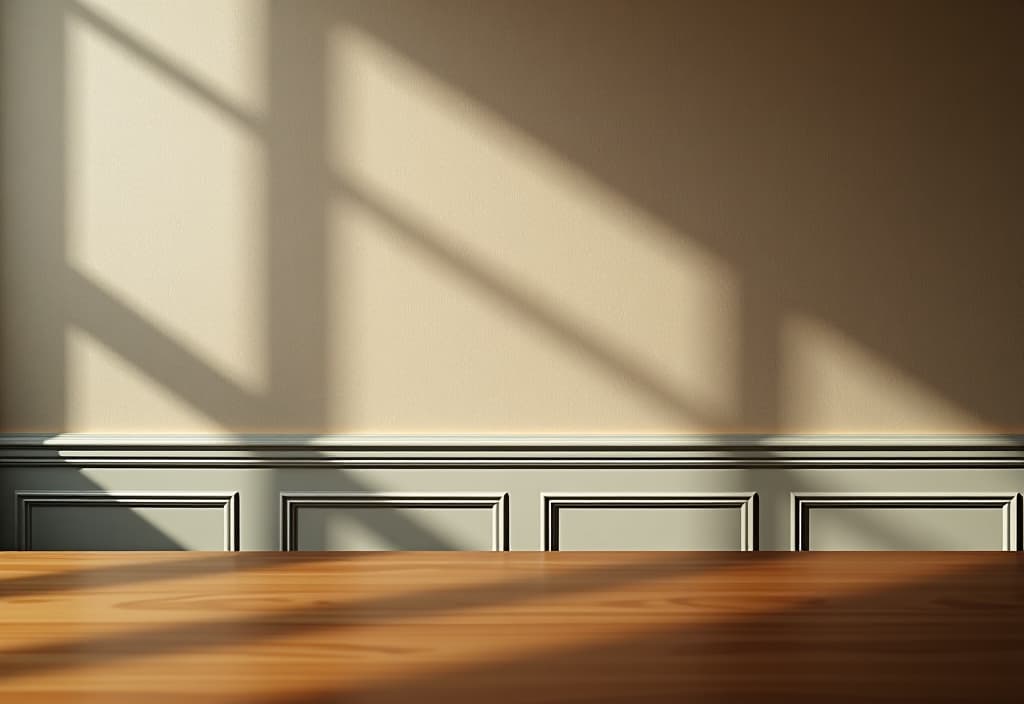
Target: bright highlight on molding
(511,451)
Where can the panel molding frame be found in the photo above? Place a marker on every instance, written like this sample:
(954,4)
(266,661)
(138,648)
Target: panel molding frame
(26,501)
(292,502)
(552,502)
(801,504)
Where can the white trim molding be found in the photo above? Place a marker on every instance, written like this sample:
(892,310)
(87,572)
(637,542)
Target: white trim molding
(291,502)
(1009,504)
(510,452)
(26,501)
(552,503)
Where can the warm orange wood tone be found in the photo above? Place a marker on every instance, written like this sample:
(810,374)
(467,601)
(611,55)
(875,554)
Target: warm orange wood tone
(442,627)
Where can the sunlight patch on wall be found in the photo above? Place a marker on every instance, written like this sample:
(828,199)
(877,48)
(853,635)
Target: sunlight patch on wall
(426,349)
(583,277)
(105,391)
(221,44)
(831,383)
(166,197)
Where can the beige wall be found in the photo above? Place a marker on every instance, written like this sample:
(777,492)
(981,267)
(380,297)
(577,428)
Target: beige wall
(512,217)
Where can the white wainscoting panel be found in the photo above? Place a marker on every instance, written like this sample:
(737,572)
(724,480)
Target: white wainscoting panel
(295,492)
(927,521)
(436,521)
(115,521)
(599,521)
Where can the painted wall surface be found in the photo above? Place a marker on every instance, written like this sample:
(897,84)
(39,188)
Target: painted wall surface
(507,217)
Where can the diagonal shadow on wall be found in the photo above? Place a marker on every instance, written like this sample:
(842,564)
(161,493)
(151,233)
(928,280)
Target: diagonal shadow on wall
(295,280)
(724,170)
(865,183)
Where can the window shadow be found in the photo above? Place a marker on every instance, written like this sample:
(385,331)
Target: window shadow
(866,183)
(804,156)
(296,300)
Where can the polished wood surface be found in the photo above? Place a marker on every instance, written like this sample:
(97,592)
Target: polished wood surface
(535,627)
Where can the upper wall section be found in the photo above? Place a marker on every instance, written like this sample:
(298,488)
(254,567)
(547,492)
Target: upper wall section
(505,217)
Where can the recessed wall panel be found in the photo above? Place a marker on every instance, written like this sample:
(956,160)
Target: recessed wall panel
(85,521)
(893,522)
(393,522)
(650,522)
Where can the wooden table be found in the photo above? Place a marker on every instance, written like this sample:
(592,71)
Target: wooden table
(485,627)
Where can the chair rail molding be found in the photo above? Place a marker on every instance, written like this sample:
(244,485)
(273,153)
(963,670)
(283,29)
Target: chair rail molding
(511,451)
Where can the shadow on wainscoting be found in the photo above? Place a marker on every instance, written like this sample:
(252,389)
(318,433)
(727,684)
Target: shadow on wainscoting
(62,509)
(57,503)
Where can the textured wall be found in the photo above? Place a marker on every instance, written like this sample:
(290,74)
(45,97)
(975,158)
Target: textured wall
(511,217)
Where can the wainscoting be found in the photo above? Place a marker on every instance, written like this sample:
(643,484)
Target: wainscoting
(546,493)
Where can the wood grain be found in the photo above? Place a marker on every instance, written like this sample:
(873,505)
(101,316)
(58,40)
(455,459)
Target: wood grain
(535,627)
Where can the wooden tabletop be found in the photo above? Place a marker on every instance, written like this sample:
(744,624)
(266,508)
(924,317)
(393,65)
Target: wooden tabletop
(510,627)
